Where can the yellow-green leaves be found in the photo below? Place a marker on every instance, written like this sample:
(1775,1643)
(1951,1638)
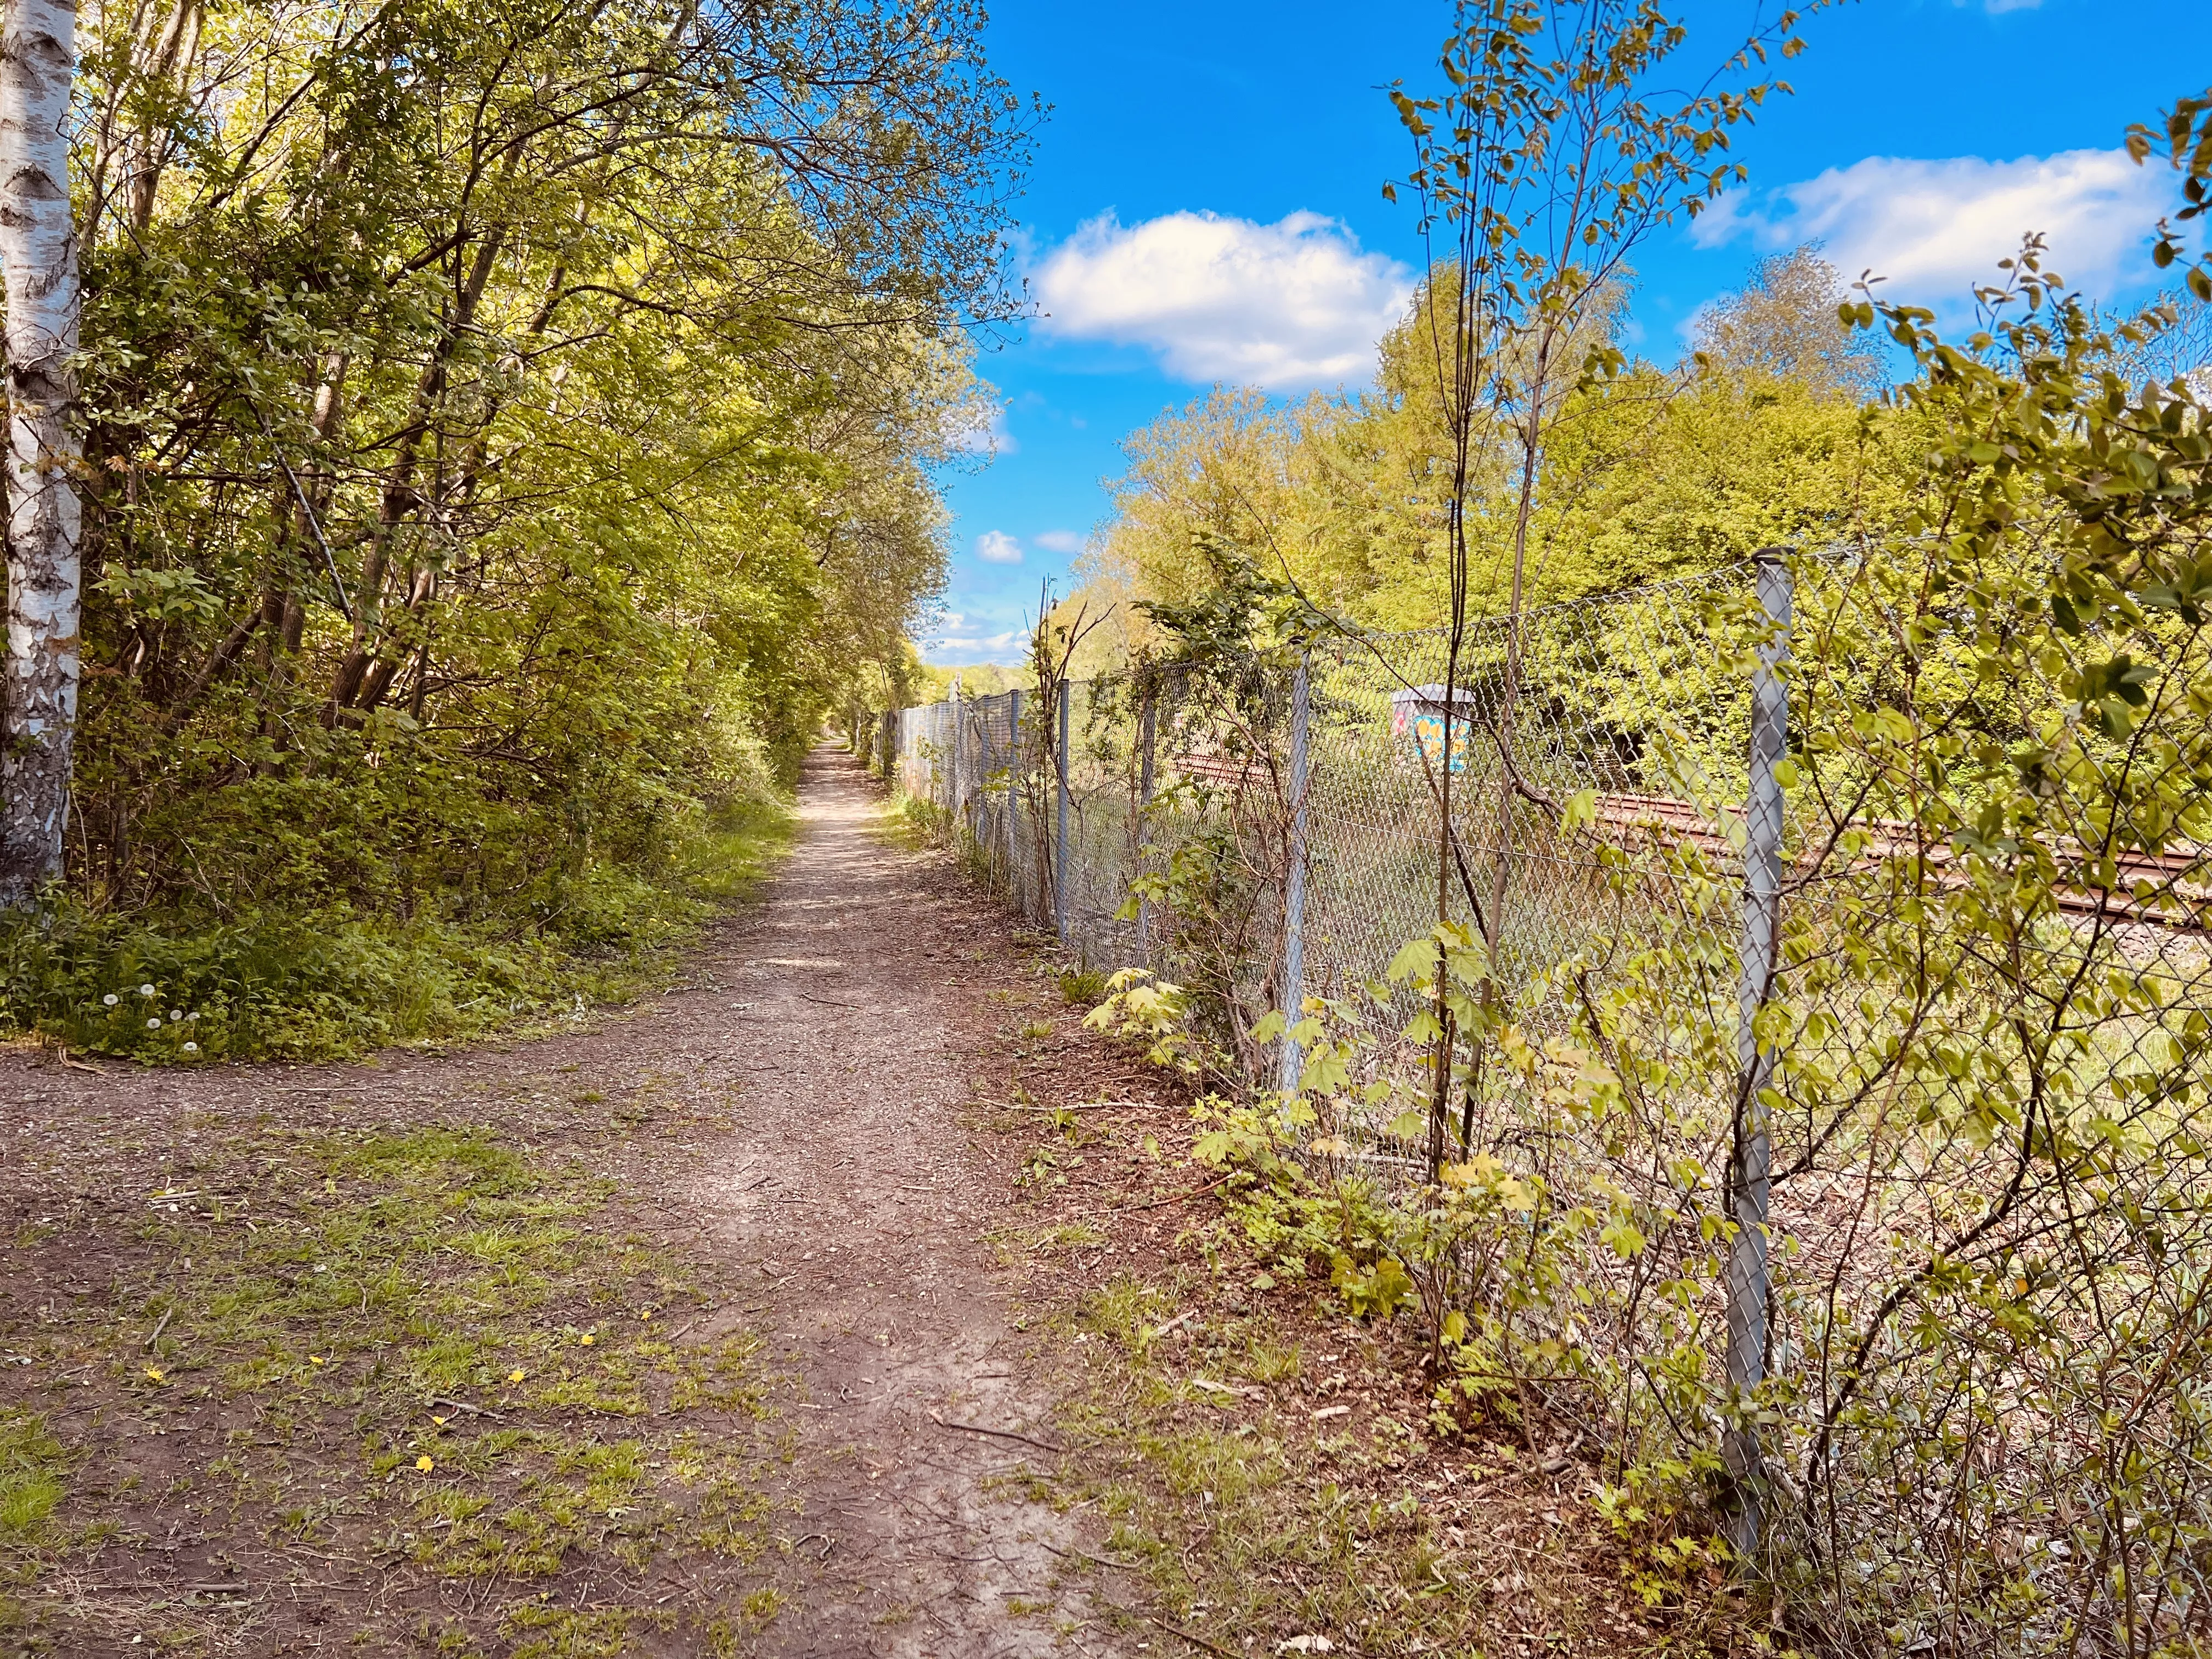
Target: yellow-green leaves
(1416,960)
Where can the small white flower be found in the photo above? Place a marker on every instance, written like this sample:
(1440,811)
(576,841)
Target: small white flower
(154,1024)
(191,1047)
(176,1014)
(145,990)
(111,999)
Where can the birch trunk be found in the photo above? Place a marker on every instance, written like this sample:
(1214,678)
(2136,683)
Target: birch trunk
(37,253)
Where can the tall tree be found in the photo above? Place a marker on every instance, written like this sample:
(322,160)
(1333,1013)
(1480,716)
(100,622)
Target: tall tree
(1783,325)
(38,251)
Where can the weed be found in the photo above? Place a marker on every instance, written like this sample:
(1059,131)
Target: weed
(1082,987)
(1126,1310)
(764,1605)
(1063,1237)
(31,1464)
(1266,1362)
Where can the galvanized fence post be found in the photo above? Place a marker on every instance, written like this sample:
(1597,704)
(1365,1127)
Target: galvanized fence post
(1294,880)
(1012,827)
(1750,1164)
(952,703)
(1147,725)
(1059,839)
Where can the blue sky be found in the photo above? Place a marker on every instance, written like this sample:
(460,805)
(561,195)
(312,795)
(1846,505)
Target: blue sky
(1206,205)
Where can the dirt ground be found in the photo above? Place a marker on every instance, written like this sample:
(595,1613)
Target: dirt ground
(790,1115)
(849,1299)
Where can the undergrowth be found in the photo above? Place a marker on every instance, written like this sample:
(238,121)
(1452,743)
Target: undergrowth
(191,982)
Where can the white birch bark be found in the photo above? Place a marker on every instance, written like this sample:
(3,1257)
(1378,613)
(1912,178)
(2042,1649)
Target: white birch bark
(38,253)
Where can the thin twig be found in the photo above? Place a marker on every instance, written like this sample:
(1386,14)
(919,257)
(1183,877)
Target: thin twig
(1195,1641)
(160,1326)
(1177,1198)
(475,1411)
(1095,1560)
(998,1434)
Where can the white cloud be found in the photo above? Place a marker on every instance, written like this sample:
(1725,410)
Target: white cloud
(974,647)
(1285,305)
(1058,541)
(996,547)
(1933,228)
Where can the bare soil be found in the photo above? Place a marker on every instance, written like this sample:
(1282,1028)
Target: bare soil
(978,1363)
(789,1119)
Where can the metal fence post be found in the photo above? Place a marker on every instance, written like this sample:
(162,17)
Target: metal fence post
(1749,1165)
(953,760)
(1012,826)
(1059,839)
(1147,727)
(1294,880)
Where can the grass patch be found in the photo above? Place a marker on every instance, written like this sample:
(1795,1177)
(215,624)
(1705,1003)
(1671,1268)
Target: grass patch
(1082,987)
(32,1465)
(1248,1517)
(430,1351)
(185,986)
(1266,1465)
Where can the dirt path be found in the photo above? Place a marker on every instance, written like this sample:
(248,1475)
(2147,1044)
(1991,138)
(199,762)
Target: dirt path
(790,1115)
(854,1006)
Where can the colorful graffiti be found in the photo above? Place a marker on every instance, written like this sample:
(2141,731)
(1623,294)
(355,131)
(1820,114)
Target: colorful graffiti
(1419,712)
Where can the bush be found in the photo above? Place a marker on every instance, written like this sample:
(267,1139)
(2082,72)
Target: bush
(181,984)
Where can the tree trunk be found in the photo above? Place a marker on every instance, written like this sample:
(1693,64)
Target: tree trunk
(38,251)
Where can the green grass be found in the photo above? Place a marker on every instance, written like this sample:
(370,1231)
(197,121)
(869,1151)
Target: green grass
(32,1465)
(1082,987)
(1249,1518)
(321,981)
(427,1345)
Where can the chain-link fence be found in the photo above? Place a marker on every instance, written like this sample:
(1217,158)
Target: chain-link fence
(1824,1116)
(1288,809)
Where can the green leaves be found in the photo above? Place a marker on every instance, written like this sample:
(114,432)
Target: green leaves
(2116,691)
(1416,960)
(558,350)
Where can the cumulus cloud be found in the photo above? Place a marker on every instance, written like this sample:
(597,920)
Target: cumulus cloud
(996,547)
(976,647)
(1934,227)
(1286,305)
(1058,541)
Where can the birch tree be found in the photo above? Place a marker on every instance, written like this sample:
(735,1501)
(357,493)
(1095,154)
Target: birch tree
(38,251)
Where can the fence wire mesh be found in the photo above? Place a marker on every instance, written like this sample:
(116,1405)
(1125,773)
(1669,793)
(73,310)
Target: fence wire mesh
(1960,1369)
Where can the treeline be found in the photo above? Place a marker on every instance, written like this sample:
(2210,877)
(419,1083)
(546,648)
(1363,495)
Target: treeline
(506,428)
(1755,435)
